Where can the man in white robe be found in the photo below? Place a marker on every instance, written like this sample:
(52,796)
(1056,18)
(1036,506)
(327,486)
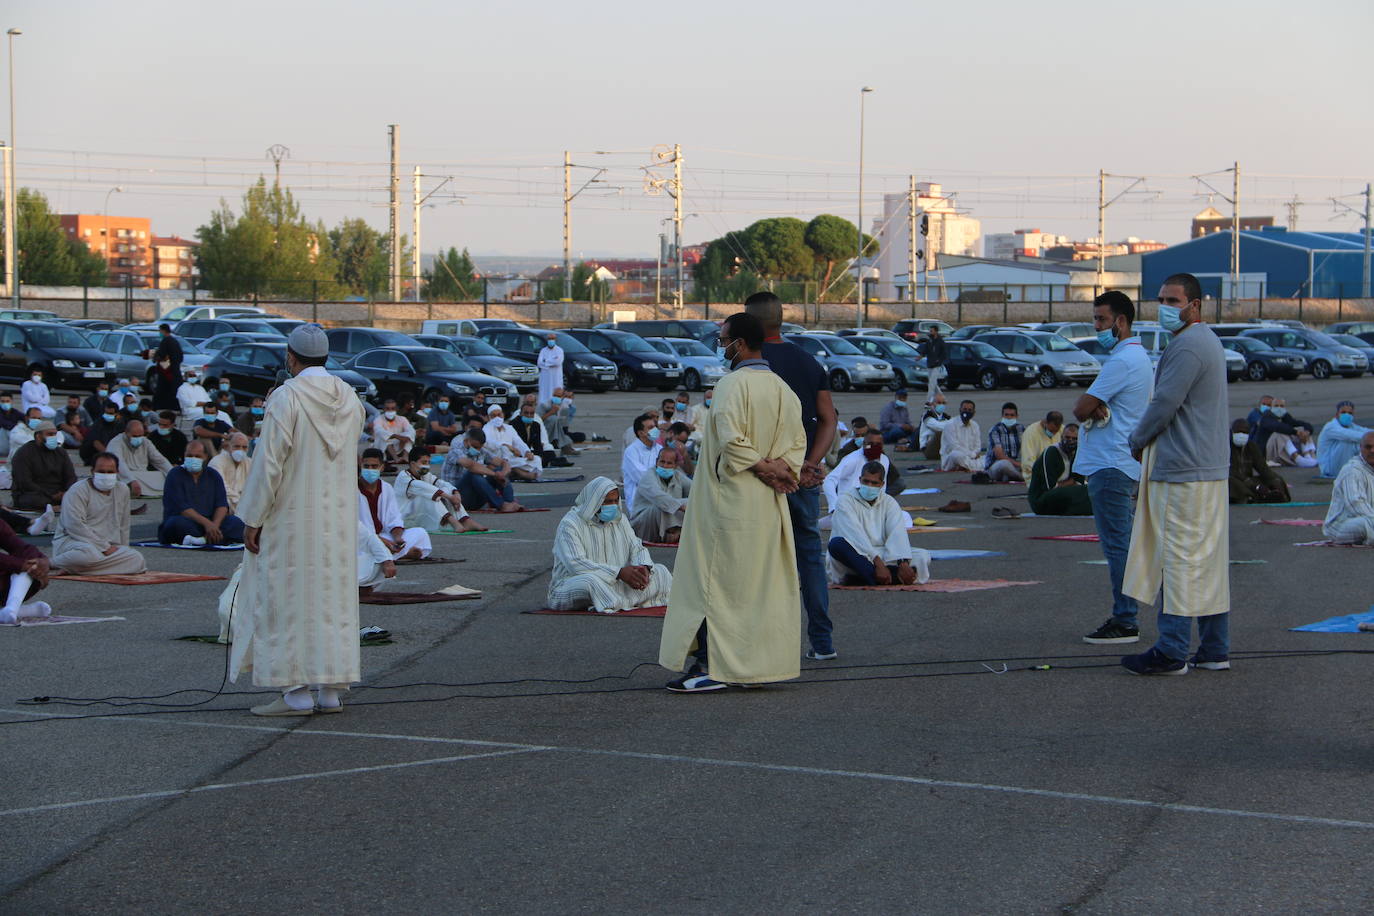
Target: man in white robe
(639,456)
(141,466)
(377,507)
(524,463)
(845,477)
(392,432)
(92,535)
(34,393)
(375,564)
(962,441)
(427,501)
(234,465)
(295,617)
(556,414)
(1350,519)
(598,560)
(661,500)
(736,570)
(550,363)
(869,543)
(191,399)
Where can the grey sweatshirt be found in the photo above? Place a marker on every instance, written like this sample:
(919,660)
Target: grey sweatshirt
(1187,417)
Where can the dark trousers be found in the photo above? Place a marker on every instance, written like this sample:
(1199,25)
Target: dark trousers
(862,568)
(173,530)
(477,492)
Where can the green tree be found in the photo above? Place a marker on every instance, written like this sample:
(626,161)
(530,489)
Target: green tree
(362,255)
(585,286)
(831,239)
(89,268)
(777,248)
(45,255)
(453,278)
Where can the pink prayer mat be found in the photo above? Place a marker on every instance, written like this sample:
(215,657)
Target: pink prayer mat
(56,619)
(1328,543)
(995,483)
(144,578)
(1088,538)
(657,610)
(1295,522)
(659,544)
(940,585)
(522,509)
(412,597)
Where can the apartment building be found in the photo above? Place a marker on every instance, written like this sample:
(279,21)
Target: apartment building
(125,242)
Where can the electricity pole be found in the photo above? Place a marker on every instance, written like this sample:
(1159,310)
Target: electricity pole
(277,152)
(394,230)
(415,235)
(567,232)
(1101,232)
(859,264)
(11,258)
(1365,266)
(677,227)
(911,241)
(1235,232)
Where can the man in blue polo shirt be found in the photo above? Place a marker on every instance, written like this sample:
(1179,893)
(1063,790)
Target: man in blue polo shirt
(809,383)
(1110,411)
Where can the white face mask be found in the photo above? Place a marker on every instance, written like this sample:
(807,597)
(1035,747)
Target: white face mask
(498,422)
(104,482)
(1240,439)
(390,414)
(238,455)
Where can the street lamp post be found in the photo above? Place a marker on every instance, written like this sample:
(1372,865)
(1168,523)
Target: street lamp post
(859,264)
(118,189)
(11,242)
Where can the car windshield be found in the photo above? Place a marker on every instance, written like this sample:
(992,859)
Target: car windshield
(662,346)
(329,362)
(57,335)
(438,361)
(474,347)
(632,343)
(1349,340)
(387,338)
(693,347)
(569,344)
(984,350)
(1055,343)
(1251,345)
(255,327)
(840,346)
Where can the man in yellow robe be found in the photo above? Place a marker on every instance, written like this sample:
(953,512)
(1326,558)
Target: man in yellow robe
(736,569)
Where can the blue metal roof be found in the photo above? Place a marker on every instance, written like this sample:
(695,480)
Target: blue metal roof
(1315,264)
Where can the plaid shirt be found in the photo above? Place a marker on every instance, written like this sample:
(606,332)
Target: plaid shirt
(1009,437)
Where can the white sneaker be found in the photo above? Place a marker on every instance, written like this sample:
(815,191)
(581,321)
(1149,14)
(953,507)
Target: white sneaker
(192,541)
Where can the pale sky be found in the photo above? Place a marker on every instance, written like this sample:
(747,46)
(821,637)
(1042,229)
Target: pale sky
(1015,106)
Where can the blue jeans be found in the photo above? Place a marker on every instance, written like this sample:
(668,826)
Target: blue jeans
(1114,514)
(893,433)
(175,529)
(805,507)
(1213,632)
(477,491)
(861,568)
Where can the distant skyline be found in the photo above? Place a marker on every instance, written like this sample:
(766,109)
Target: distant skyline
(1014,107)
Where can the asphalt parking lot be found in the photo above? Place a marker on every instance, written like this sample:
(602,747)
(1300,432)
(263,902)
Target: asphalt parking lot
(503,762)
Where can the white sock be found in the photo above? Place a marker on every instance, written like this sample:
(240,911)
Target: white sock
(35,609)
(327,697)
(192,541)
(20,583)
(43,522)
(298,698)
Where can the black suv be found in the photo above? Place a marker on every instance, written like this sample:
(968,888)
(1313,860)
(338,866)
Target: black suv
(346,343)
(637,362)
(66,357)
(708,332)
(581,367)
(197,329)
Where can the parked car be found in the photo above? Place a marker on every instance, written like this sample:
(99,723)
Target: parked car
(1071,330)
(637,363)
(1357,343)
(701,367)
(1263,361)
(486,359)
(867,332)
(91,324)
(847,365)
(1349,327)
(28,315)
(184,312)
(972,362)
(1057,361)
(1092,346)
(285,326)
(464,327)
(198,329)
(346,343)
(424,373)
(581,367)
(127,349)
(969,331)
(708,332)
(1321,354)
(253,368)
(220,341)
(915,329)
(908,365)
(788,327)
(66,358)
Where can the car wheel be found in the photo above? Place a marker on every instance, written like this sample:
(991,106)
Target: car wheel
(987,380)
(692,380)
(898,381)
(1047,378)
(1256,372)
(839,381)
(625,381)
(1321,369)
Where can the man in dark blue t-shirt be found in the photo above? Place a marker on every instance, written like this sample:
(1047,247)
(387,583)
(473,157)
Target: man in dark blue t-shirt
(809,383)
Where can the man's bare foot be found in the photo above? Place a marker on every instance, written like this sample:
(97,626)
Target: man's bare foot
(511,507)
(470,524)
(881,574)
(672,536)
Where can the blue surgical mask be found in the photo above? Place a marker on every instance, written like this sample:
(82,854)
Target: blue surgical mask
(164,430)
(939,410)
(52,442)
(1009,422)
(555,399)
(1345,419)
(371,475)
(609,513)
(1168,317)
(899,403)
(136,441)
(707,402)
(123,389)
(1264,408)
(527,419)
(665,473)
(550,344)
(473,452)
(1107,338)
(868,493)
(258,411)
(107,417)
(443,406)
(34,421)
(1280,412)
(193,464)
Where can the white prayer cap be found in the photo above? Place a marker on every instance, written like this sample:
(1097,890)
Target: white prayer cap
(308,340)
(494,409)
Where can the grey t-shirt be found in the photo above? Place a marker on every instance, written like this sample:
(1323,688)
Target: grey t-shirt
(1187,417)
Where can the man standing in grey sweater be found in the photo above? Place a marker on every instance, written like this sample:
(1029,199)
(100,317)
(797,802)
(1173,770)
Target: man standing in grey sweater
(1180,539)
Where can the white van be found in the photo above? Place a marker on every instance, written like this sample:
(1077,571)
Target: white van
(184,312)
(454,327)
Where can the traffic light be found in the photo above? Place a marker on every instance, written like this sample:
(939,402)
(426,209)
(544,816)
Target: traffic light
(925,224)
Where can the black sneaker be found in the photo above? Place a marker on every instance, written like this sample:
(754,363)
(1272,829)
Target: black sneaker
(1113,632)
(1211,664)
(1153,662)
(815,656)
(695,683)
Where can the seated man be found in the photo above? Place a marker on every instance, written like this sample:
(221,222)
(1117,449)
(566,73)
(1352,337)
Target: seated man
(1350,520)
(192,398)
(854,441)
(1266,403)
(529,429)
(895,420)
(92,536)
(23,572)
(556,415)
(962,441)
(167,439)
(846,475)
(1339,440)
(1252,480)
(476,410)
(249,422)
(377,507)
(1276,422)
(210,429)
(1039,436)
(1003,460)
(661,500)
(1054,487)
(107,424)
(442,423)
(1298,450)
(375,564)
(932,428)
(35,394)
(392,434)
(10,417)
(233,465)
(869,544)
(428,502)
(524,463)
(22,434)
(195,509)
(41,470)
(599,562)
(639,455)
(141,466)
(73,422)
(479,474)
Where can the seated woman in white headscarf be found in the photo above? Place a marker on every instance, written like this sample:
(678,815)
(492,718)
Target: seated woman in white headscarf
(661,501)
(869,544)
(377,508)
(427,501)
(524,463)
(599,562)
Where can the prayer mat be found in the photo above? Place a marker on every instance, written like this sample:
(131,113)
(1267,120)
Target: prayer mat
(921,470)
(995,483)
(931,529)
(1349,623)
(939,585)
(658,610)
(919,491)
(659,544)
(1086,538)
(144,578)
(1288,505)
(1294,522)
(488,531)
(56,619)
(1322,481)
(214,641)
(954,553)
(919,508)
(1328,543)
(184,547)
(413,597)
(1035,515)
(429,561)
(561,479)
(522,509)
(1233,562)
